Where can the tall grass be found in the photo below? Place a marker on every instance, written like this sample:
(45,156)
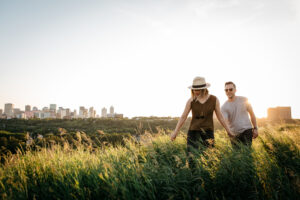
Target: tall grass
(156,168)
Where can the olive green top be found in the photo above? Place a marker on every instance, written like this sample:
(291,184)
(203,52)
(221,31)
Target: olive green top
(202,114)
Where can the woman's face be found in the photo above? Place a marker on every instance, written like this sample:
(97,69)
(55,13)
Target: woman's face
(199,92)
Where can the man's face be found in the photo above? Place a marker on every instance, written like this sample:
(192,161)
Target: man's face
(230,91)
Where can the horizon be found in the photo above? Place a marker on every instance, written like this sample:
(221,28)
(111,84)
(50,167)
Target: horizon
(141,56)
(98,114)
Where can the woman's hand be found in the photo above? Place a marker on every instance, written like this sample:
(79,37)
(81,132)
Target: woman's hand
(173,136)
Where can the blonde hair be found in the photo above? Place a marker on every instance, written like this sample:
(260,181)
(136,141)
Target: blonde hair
(202,90)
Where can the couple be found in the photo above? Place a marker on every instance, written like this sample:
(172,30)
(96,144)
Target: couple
(233,116)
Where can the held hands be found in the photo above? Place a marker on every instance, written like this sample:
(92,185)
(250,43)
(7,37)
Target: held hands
(230,134)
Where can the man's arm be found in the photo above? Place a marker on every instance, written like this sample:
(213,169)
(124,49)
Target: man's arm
(253,120)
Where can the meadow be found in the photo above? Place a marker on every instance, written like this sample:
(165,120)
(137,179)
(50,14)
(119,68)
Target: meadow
(156,168)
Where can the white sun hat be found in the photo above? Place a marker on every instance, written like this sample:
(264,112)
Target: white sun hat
(199,83)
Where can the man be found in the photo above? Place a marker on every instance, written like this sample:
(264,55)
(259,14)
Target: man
(235,110)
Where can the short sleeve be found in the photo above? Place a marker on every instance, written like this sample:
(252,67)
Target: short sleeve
(247,103)
(224,113)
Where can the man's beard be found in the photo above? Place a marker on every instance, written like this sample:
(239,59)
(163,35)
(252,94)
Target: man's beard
(231,97)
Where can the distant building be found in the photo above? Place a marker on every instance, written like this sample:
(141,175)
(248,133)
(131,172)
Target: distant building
(27,108)
(29,114)
(17,111)
(46,115)
(62,113)
(46,109)
(53,108)
(111,113)
(111,110)
(120,116)
(279,113)
(42,115)
(104,112)
(37,114)
(74,114)
(20,115)
(52,112)
(83,113)
(92,112)
(68,112)
(9,110)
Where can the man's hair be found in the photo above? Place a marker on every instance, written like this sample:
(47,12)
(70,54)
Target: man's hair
(230,82)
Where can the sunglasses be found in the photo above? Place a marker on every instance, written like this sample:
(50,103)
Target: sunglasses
(230,89)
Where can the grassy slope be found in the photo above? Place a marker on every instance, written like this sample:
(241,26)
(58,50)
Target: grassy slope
(157,169)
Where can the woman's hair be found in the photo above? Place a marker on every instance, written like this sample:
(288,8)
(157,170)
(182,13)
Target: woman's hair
(202,90)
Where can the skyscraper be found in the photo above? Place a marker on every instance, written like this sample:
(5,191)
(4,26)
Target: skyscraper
(27,108)
(68,112)
(104,112)
(92,112)
(75,114)
(53,107)
(111,110)
(8,109)
(83,113)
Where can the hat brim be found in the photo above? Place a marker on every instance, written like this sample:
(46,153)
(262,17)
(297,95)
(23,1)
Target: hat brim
(199,88)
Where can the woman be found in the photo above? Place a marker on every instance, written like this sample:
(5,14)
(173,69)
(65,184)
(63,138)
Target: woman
(203,105)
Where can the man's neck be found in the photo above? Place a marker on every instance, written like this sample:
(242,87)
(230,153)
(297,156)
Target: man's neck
(232,99)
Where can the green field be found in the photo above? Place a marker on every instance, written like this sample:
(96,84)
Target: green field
(156,168)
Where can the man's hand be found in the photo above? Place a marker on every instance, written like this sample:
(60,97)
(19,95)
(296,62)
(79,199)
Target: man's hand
(255,133)
(230,134)
(173,136)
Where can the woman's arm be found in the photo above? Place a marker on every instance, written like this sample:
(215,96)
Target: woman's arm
(221,118)
(182,119)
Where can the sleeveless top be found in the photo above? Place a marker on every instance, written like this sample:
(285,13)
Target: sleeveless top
(202,114)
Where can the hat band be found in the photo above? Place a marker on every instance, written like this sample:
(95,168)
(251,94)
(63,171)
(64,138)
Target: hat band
(199,86)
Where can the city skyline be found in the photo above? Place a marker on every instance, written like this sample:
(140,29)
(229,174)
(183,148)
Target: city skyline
(53,111)
(143,55)
(273,113)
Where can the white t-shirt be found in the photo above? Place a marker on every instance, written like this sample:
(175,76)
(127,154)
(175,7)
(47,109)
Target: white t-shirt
(237,115)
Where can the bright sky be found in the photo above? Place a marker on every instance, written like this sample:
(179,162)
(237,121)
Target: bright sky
(140,56)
